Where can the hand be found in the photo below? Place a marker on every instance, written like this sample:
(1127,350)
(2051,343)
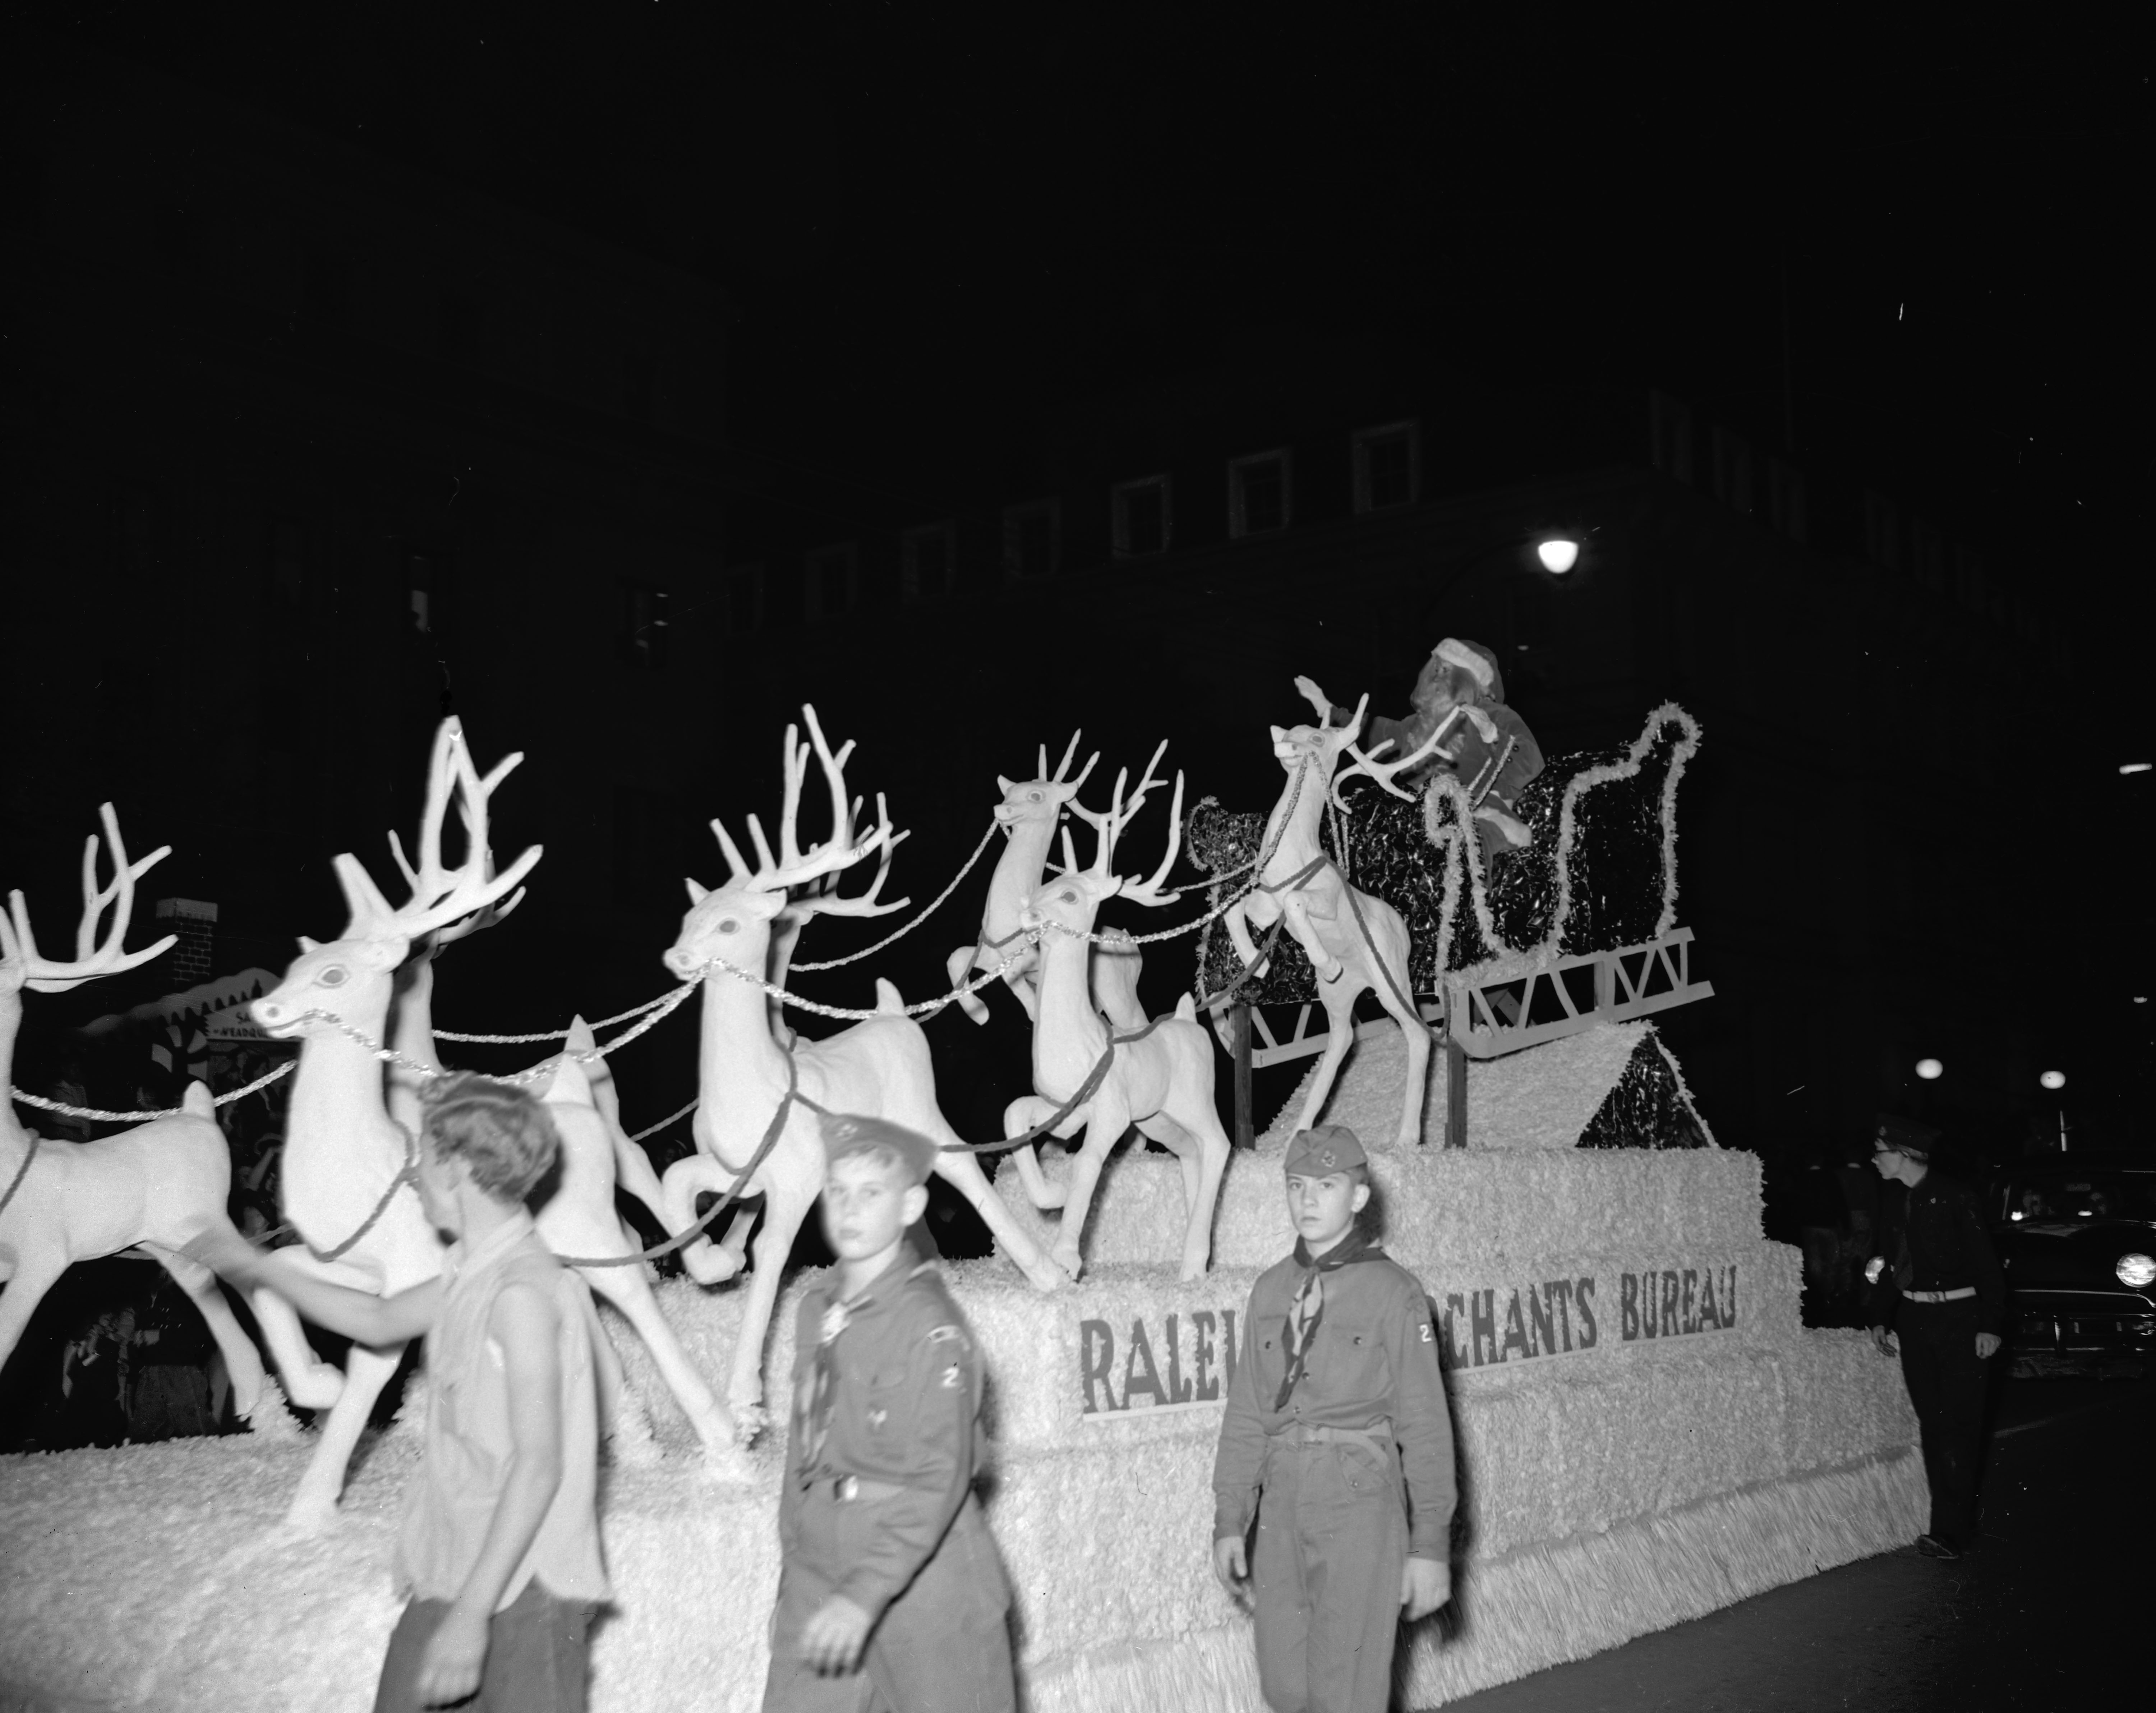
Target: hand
(1425,1585)
(1308,690)
(1987,1346)
(1884,1339)
(449,1669)
(833,1639)
(1232,1565)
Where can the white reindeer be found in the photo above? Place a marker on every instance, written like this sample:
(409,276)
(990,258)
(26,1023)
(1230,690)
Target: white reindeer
(1028,815)
(155,1188)
(1299,884)
(881,1066)
(1162,1082)
(579,1219)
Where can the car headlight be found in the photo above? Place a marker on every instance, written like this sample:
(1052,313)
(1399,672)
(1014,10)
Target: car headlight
(2136,1270)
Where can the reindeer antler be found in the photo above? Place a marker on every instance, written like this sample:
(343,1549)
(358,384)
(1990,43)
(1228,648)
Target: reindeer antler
(440,895)
(796,867)
(1367,766)
(1111,826)
(1147,781)
(430,878)
(1063,766)
(91,958)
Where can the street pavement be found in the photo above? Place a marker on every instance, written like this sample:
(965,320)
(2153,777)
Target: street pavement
(2049,1613)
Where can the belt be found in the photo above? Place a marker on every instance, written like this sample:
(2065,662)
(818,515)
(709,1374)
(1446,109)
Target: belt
(1379,1435)
(853,1489)
(1939,1296)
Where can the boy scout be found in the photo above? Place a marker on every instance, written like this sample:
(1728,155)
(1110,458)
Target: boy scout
(891,1596)
(1337,1396)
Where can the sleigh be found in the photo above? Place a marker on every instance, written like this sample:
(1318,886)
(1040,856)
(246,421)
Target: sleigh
(1578,927)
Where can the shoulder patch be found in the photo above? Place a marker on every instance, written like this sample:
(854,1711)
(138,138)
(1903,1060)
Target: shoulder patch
(954,1377)
(1428,1336)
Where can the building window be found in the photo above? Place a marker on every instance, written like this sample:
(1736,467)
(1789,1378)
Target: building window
(832,582)
(643,640)
(928,562)
(1258,494)
(1140,519)
(744,598)
(1386,472)
(1033,539)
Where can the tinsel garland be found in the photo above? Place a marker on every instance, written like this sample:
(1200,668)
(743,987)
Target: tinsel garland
(1596,874)
(1649,1107)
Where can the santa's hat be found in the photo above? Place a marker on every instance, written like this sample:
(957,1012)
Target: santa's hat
(1477,662)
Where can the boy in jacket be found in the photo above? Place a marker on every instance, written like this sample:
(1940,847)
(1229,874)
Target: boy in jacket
(1336,1440)
(891,1598)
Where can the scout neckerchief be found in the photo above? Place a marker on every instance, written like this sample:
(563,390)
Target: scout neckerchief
(1307,1310)
(838,1313)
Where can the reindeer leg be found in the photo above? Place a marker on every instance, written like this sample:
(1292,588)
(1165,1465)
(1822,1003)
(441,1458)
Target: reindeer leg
(785,1208)
(1019,1117)
(1106,1118)
(1339,1000)
(964,1173)
(242,1362)
(958,967)
(1238,924)
(35,1272)
(707,1263)
(309,1382)
(1306,934)
(628,1290)
(1391,935)
(313,1508)
(633,1172)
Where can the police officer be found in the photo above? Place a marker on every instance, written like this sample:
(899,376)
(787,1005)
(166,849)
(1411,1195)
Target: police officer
(1936,1280)
(891,1598)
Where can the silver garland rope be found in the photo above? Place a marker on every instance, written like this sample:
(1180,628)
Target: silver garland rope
(832,963)
(65,1111)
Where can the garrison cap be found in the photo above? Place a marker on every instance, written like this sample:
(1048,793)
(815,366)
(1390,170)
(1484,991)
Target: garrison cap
(857,1133)
(1324,1150)
(1905,1135)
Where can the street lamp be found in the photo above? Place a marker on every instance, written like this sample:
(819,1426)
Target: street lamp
(1930,1069)
(1558,554)
(2053,1079)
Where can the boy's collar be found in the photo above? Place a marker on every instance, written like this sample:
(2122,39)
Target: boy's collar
(1357,1245)
(503,1237)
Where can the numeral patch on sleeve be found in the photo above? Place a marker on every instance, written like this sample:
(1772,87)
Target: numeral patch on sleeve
(954,1377)
(1428,1336)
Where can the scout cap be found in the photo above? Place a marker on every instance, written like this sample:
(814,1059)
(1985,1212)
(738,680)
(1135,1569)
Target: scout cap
(857,1133)
(1905,1136)
(1324,1150)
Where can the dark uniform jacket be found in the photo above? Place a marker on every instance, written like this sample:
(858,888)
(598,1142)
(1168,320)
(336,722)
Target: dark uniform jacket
(903,1410)
(1932,1238)
(1373,1363)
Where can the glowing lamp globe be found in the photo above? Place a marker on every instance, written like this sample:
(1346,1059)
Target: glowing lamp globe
(2053,1079)
(1558,555)
(1930,1069)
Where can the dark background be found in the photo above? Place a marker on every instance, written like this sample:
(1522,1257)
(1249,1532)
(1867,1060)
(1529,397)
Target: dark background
(863,268)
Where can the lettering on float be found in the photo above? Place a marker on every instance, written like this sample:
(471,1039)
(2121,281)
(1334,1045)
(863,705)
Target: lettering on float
(1562,1317)
(1182,1360)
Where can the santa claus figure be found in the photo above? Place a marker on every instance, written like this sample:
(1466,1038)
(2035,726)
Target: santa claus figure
(1485,745)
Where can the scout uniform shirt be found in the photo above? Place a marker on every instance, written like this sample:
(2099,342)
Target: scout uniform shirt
(468,1444)
(878,1502)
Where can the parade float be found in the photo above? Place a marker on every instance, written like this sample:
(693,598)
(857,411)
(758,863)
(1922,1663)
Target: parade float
(1647,1431)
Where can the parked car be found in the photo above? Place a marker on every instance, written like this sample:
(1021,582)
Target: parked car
(2078,1243)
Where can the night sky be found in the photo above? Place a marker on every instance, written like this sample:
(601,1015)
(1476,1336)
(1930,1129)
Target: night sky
(1914,240)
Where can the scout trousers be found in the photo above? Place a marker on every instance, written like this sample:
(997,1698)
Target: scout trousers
(537,1656)
(942,1646)
(1325,1570)
(1946,1380)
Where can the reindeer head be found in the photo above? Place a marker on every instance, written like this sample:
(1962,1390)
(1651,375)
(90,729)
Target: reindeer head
(20,964)
(1042,798)
(349,978)
(1316,747)
(733,922)
(1069,901)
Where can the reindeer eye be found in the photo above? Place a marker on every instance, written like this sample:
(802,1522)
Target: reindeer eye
(334,976)
(730,926)
(1034,795)
(1068,897)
